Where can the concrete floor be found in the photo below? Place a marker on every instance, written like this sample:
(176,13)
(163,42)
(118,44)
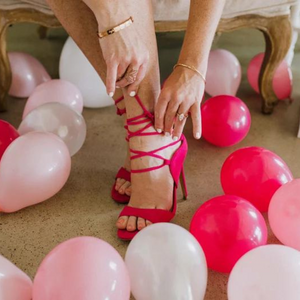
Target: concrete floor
(84,206)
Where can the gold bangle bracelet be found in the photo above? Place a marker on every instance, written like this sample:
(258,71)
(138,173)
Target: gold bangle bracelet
(115,29)
(191,68)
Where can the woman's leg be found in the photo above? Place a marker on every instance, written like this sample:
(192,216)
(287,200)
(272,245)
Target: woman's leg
(79,21)
(149,190)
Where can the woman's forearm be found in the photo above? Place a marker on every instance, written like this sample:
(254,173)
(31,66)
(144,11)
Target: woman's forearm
(203,20)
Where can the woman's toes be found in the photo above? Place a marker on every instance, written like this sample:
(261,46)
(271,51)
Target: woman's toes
(148,223)
(119,183)
(128,191)
(141,223)
(122,222)
(131,224)
(123,188)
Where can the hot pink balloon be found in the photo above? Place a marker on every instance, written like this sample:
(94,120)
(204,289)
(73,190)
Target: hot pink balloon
(254,174)
(223,73)
(83,268)
(27,74)
(282,80)
(14,283)
(284,214)
(33,168)
(227,227)
(56,90)
(226,120)
(7,135)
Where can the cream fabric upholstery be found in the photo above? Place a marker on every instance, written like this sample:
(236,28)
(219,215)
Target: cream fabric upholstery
(171,10)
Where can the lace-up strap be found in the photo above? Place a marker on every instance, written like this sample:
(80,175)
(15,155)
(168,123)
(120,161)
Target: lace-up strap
(146,118)
(120,111)
(140,154)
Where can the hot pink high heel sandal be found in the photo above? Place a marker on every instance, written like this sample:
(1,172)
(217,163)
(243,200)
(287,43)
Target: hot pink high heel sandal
(122,173)
(176,169)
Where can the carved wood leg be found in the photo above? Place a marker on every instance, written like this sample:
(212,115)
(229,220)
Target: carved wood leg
(5,71)
(42,32)
(278,36)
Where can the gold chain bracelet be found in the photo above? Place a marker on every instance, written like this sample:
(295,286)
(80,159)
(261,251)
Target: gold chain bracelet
(115,29)
(191,68)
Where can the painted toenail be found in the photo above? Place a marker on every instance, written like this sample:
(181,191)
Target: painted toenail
(175,138)
(167,134)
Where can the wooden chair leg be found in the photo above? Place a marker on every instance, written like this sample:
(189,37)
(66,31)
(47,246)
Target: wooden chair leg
(5,71)
(278,37)
(42,32)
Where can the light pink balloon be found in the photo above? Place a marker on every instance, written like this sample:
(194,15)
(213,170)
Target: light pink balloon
(282,80)
(14,283)
(27,74)
(59,119)
(33,168)
(270,272)
(83,268)
(284,214)
(223,73)
(56,90)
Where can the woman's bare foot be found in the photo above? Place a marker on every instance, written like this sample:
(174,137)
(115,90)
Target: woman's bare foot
(152,189)
(123,186)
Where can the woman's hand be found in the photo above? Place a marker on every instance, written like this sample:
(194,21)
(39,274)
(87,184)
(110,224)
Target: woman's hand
(126,58)
(182,93)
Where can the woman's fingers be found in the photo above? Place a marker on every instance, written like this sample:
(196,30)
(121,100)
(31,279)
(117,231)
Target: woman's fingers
(196,119)
(111,76)
(130,75)
(170,117)
(181,116)
(133,88)
(160,110)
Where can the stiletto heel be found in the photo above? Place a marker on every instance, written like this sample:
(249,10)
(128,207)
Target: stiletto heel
(183,185)
(122,173)
(175,165)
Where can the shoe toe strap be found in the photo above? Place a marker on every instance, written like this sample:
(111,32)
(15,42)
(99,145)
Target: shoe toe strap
(124,174)
(153,215)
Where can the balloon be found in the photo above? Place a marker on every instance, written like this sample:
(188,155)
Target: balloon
(59,119)
(254,174)
(27,74)
(227,227)
(75,67)
(14,283)
(223,73)
(33,168)
(166,262)
(7,134)
(282,80)
(82,268)
(56,90)
(284,214)
(270,272)
(226,120)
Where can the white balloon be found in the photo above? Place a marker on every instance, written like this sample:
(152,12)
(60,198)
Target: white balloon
(269,272)
(60,120)
(75,67)
(166,262)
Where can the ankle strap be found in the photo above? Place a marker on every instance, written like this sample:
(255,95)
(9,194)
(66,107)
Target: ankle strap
(146,118)
(120,111)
